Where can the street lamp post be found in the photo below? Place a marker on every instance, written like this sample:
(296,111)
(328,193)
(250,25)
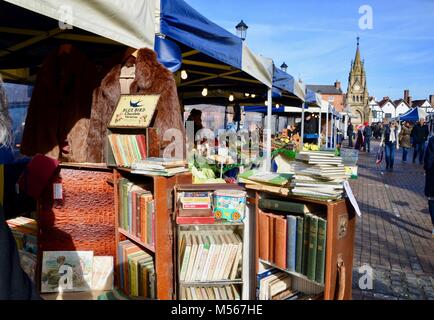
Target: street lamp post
(242,30)
(284,67)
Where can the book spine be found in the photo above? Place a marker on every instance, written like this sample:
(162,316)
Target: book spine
(196,206)
(280,241)
(185,259)
(195,220)
(138,216)
(133,213)
(321,252)
(313,247)
(284,206)
(141,142)
(271,237)
(263,236)
(306,232)
(291,245)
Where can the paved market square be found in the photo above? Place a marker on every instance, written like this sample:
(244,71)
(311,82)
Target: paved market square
(393,236)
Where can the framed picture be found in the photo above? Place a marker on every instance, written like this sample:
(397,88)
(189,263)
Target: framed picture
(134,111)
(66,271)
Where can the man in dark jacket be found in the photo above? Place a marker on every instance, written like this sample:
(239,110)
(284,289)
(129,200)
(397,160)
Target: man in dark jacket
(429,176)
(367,134)
(419,134)
(350,133)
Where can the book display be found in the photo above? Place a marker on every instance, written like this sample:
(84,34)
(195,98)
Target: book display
(210,248)
(302,245)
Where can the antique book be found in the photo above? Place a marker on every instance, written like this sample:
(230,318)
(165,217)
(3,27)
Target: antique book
(280,241)
(321,251)
(286,206)
(291,242)
(313,247)
(299,245)
(306,236)
(191,261)
(264,236)
(185,255)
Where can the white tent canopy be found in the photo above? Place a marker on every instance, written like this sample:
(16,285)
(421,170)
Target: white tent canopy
(135,23)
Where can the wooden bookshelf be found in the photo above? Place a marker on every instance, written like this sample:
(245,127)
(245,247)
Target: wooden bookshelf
(220,225)
(162,190)
(340,233)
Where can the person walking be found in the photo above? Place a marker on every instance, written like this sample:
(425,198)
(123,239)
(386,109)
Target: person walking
(429,178)
(359,138)
(367,135)
(350,132)
(419,134)
(405,140)
(389,140)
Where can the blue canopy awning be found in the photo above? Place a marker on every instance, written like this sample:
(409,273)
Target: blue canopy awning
(181,22)
(413,115)
(263,109)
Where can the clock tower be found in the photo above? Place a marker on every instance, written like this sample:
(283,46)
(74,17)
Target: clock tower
(357,93)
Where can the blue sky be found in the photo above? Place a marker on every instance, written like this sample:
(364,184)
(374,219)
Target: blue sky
(317,39)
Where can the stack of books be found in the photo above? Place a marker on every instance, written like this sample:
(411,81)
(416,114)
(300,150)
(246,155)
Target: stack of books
(318,174)
(229,292)
(274,285)
(127,149)
(159,167)
(195,207)
(25,232)
(210,256)
(136,211)
(136,271)
(294,242)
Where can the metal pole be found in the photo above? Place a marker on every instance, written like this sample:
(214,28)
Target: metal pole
(319,127)
(327,126)
(268,130)
(302,124)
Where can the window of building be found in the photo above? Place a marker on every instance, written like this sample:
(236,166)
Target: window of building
(388,115)
(331,99)
(354,99)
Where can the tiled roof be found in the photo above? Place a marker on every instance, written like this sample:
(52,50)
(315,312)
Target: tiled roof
(418,103)
(383,102)
(327,89)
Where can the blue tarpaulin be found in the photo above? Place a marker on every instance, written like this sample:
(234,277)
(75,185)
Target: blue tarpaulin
(169,54)
(263,109)
(181,22)
(413,115)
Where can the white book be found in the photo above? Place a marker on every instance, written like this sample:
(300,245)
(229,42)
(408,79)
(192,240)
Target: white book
(277,286)
(229,293)
(238,258)
(215,257)
(192,258)
(212,247)
(203,259)
(186,256)
(232,256)
(224,248)
(193,293)
(198,258)
(216,293)
(221,267)
(188,292)
(265,283)
(236,293)
(223,294)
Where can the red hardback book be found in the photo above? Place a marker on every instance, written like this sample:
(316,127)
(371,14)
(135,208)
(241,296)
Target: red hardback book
(263,236)
(195,220)
(280,240)
(141,142)
(271,238)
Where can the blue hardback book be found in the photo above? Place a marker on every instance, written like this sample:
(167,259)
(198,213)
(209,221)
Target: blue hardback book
(291,242)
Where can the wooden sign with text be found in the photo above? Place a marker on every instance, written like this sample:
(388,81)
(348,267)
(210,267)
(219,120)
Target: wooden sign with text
(134,111)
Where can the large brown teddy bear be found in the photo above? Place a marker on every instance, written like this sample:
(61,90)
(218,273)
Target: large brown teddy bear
(150,78)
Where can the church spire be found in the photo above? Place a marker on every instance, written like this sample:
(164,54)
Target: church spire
(357,60)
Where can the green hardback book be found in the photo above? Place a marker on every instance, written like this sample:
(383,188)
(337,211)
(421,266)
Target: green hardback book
(306,233)
(321,251)
(299,245)
(313,247)
(284,206)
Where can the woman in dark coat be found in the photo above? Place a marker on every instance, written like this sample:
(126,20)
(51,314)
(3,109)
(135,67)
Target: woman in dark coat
(359,138)
(429,182)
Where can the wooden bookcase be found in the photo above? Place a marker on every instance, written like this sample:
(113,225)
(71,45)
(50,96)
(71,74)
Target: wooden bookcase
(162,190)
(341,219)
(238,227)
